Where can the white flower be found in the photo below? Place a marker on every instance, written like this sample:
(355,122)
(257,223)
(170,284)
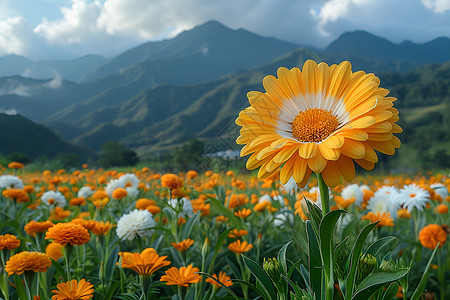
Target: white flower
(265,197)
(353,191)
(290,187)
(365,187)
(112,185)
(188,210)
(440,190)
(284,217)
(385,200)
(10,182)
(413,196)
(85,192)
(136,222)
(54,198)
(132,192)
(129,180)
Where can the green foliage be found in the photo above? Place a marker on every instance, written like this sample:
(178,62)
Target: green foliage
(189,155)
(114,154)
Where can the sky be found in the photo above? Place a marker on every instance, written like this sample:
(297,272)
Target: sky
(66,29)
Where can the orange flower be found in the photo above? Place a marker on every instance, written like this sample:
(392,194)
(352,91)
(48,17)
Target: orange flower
(171,181)
(144,202)
(239,248)
(145,263)
(261,206)
(191,174)
(64,233)
(119,193)
(100,194)
(442,209)
(343,203)
(182,276)
(101,228)
(77,201)
(27,261)
(431,235)
(221,219)
(54,250)
(244,213)
(385,219)
(73,290)
(321,119)
(58,214)
(9,242)
(183,245)
(223,278)
(34,227)
(237,233)
(15,165)
(18,195)
(100,203)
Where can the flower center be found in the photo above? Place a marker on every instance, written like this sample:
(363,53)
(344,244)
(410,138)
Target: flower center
(314,125)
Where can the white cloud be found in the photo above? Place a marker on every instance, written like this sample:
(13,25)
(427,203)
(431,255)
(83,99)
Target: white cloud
(438,6)
(14,33)
(108,27)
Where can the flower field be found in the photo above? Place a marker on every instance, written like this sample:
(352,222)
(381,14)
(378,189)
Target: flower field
(280,234)
(144,235)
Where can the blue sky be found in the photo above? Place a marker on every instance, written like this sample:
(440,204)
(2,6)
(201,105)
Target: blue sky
(63,29)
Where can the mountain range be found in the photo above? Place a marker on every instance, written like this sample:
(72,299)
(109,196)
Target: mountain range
(161,94)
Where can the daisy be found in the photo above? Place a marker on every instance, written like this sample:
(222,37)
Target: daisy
(412,196)
(322,119)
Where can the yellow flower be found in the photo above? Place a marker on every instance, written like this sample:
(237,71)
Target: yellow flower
(321,119)
(73,290)
(182,276)
(243,213)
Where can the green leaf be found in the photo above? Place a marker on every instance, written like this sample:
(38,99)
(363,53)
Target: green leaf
(253,287)
(379,244)
(314,214)
(423,281)
(20,288)
(326,231)
(315,262)
(374,281)
(390,292)
(226,212)
(189,226)
(354,259)
(282,256)
(261,277)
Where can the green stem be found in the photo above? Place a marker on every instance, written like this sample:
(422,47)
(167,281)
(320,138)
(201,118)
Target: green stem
(324,195)
(68,248)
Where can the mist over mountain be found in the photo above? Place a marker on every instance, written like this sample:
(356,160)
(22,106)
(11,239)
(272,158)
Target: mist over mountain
(161,94)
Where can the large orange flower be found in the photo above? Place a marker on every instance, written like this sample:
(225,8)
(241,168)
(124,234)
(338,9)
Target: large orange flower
(145,263)
(27,261)
(431,235)
(321,119)
(182,276)
(73,290)
(63,233)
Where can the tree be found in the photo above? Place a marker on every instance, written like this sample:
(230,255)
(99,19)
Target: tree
(189,155)
(114,154)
